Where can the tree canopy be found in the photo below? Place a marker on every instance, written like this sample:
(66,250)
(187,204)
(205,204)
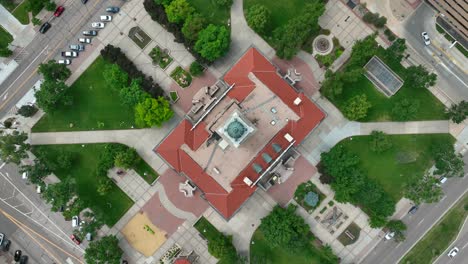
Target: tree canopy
(425,189)
(13,147)
(36,172)
(178,11)
(213,42)
(380,142)
(115,77)
(54,71)
(447,162)
(59,194)
(106,250)
(356,107)
(192,26)
(258,17)
(126,159)
(458,112)
(398,227)
(405,109)
(418,77)
(53,94)
(133,94)
(153,112)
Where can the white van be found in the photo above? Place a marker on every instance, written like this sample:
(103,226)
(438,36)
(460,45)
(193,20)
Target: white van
(442,180)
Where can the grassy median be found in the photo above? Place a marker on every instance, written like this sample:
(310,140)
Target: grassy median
(436,241)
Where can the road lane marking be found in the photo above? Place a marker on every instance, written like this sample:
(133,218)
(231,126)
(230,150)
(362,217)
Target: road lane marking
(420,222)
(443,198)
(1,166)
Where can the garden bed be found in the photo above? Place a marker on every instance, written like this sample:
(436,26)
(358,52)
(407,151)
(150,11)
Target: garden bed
(181,77)
(160,57)
(174,96)
(303,191)
(139,37)
(327,60)
(354,231)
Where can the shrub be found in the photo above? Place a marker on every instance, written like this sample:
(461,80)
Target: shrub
(196,69)
(50,6)
(27,110)
(389,34)
(375,19)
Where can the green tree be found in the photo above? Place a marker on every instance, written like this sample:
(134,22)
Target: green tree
(104,186)
(284,228)
(447,162)
(59,194)
(398,227)
(213,42)
(36,21)
(225,3)
(338,161)
(13,147)
(405,109)
(178,11)
(50,6)
(192,26)
(35,6)
(380,141)
(126,159)
(423,190)
(53,94)
(133,94)
(221,247)
(115,77)
(37,172)
(362,51)
(356,108)
(53,71)
(64,160)
(27,110)
(418,77)
(196,69)
(153,112)
(396,50)
(458,112)
(258,17)
(106,250)
(5,52)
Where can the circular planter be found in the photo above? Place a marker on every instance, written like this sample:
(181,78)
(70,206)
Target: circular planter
(322,45)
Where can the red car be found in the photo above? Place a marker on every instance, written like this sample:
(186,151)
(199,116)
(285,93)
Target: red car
(75,239)
(59,11)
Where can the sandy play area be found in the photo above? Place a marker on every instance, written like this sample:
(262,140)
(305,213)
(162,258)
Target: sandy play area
(143,235)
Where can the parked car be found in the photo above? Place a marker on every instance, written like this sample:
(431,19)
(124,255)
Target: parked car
(23,259)
(413,209)
(453,252)
(106,18)
(25,175)
(43,29)
(77,47)
(2,236)
(75,221)
(90,33)
(427,40)
(66,62)
(59,11)
(442,180)
(6,245)
(97,25)
(84,40)
(112,9)
(389,235)
(84,1)
(89,236)
(75,239)
(17,255)
(38,189)
(69,54)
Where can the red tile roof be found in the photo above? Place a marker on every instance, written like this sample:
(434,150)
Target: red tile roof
(228,203)
(182,261)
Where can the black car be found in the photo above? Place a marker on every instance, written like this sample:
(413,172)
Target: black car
(413,209)
(17,255)
(6,245)
(112,9)
(84,1)
(45,27)
(23,259)
(90,33)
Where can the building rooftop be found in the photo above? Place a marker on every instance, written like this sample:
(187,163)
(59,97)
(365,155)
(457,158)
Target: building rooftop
(238,130)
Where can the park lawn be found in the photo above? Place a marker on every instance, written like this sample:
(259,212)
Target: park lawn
(211,12)
(9,5)
(260,252)
(430,108)
(384,167)
(96,106)
(111,206)
(145,171)
(5,38)
(21,13)
(208,230)
(436,241)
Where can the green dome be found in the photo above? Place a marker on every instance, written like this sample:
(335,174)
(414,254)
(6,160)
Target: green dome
(236,129)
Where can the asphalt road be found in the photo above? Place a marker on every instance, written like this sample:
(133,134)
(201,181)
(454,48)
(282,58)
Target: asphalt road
(390,252)
(451,79)
(65,30)
(462,244)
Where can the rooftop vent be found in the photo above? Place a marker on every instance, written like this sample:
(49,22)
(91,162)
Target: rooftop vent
(297,101)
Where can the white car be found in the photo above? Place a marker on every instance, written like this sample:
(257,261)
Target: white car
(84,40)
(66,62)
(453,252)
(75,221)
(97,25)
(389,235)
(106,18)
(69,54)
(427,40)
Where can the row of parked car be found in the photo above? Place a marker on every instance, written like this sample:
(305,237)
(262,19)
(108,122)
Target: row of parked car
(5,246)
(75,49)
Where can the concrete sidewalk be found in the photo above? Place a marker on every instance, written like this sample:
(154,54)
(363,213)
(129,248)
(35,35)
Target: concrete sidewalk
(10,23)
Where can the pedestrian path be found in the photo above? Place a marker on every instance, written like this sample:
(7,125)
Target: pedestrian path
(10,23)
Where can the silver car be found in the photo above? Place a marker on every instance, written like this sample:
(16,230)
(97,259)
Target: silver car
(84,40)
(97,25)
(427,40)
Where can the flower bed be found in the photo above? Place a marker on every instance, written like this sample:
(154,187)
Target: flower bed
(304,190)
(160,57)
(183,78)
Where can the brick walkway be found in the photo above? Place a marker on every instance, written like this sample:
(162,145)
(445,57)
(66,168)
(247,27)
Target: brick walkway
(160,216)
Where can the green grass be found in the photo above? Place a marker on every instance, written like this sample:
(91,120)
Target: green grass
(211,12)
(111,206)
(345,239)
(206,229)
(21,13)
(440,236)
(5,38)
(145,171)
(462,49)
(449,38)
(96,106)
(260,252)
(10,5)
(430,108)
(384,168)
